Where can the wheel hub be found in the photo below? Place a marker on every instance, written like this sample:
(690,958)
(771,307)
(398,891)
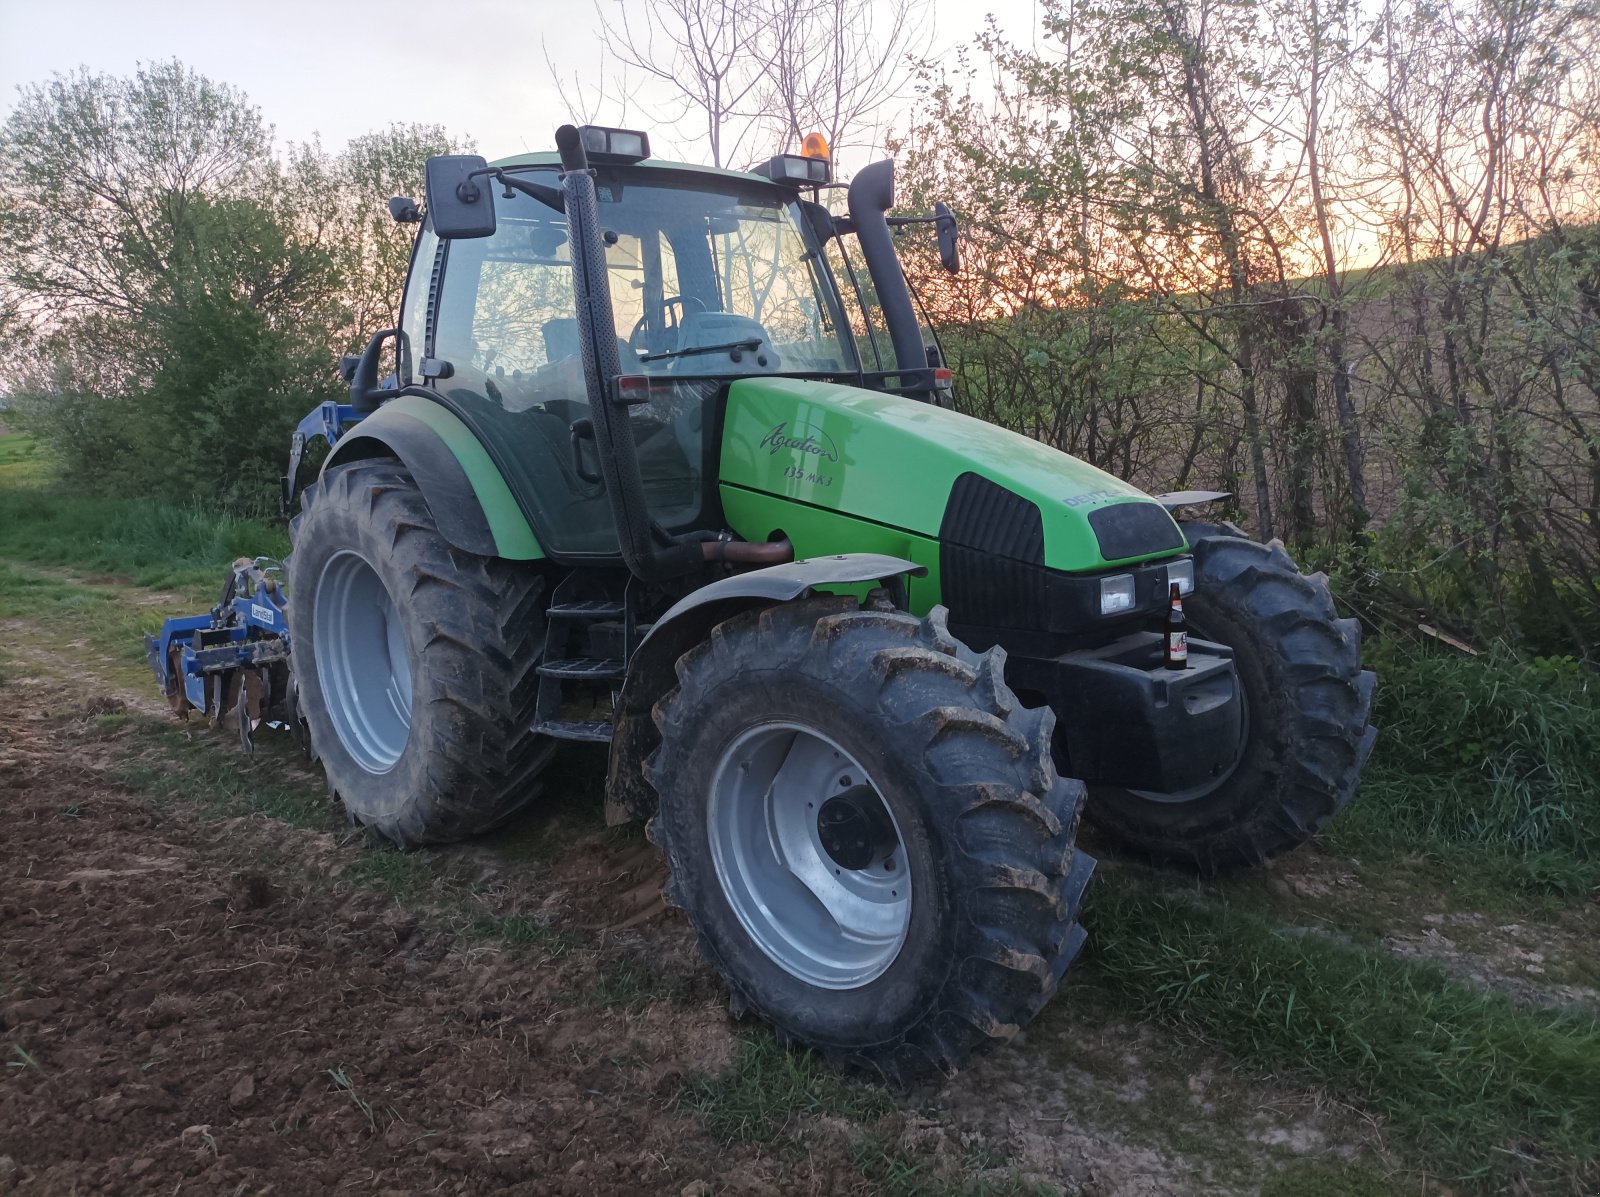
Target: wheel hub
(855,829)
(808,856)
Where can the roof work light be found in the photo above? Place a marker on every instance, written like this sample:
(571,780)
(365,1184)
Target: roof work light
(614,145)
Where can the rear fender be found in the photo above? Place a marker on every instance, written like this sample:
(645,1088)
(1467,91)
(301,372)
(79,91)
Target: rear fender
(470,501)
(651,671)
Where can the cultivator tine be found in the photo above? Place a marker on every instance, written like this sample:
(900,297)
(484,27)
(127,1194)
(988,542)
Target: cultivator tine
(214,690)
(297,725)
(177,697)
(247,709)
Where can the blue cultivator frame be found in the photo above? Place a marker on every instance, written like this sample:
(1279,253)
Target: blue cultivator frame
(235,660)
(326,420)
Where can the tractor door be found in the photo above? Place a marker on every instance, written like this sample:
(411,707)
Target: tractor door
(505,334)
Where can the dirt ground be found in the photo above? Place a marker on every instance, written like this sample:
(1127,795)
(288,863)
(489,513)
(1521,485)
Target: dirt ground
(186,1016)
(195,999)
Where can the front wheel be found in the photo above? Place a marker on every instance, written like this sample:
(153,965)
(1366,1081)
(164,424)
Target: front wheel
(867,833)
(1306,707)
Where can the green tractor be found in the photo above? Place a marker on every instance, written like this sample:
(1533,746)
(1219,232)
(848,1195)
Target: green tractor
(658,467)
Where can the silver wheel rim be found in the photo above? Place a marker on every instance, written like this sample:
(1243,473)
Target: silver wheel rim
(832,926)
(361,661)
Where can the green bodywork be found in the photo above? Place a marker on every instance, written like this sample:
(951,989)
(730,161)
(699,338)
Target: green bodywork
(838,470)
(513,537)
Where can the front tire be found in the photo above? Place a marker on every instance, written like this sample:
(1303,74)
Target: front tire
(1307,705)
(414,661)
(934,910)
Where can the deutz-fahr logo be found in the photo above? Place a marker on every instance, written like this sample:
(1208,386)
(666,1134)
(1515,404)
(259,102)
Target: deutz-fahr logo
(804,439)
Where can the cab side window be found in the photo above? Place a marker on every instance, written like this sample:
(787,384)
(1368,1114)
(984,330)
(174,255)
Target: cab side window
(414,307)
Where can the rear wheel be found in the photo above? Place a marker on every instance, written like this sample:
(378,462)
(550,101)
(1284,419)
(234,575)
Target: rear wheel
(414,661)
(1307,702)
(867,833)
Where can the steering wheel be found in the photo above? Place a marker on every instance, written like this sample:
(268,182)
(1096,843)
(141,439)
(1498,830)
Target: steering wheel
(670,322)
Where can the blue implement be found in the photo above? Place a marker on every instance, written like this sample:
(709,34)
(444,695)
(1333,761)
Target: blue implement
(233,661)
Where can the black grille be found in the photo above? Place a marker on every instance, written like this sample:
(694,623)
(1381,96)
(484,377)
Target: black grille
(985,515)
(1133,529)
(991,542)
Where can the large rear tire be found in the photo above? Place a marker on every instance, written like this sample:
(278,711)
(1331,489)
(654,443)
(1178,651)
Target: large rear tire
(414,661)
(867,833)
(1307,704)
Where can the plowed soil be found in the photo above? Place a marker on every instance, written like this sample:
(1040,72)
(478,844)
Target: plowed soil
(177,1015)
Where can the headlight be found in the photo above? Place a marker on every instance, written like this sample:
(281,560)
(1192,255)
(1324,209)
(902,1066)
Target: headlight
(1181,572)
(1116,594)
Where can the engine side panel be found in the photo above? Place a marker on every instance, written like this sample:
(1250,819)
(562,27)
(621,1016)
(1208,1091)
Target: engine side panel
(882,467)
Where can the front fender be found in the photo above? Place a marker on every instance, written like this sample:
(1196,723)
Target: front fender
(651,671)
(471,503)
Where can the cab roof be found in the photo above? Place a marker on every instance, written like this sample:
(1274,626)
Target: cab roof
(551,158)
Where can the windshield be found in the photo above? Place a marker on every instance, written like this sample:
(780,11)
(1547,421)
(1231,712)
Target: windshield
(712,276)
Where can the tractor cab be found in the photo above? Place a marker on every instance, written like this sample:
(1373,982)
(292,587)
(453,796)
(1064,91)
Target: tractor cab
(709,276)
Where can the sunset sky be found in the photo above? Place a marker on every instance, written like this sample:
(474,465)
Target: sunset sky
(345,67)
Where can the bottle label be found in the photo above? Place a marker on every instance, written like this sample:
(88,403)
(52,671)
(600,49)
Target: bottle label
(1177,646)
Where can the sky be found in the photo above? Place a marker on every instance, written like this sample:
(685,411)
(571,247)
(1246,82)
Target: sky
(341,68)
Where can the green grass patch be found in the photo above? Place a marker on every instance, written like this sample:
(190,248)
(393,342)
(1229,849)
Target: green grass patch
(1485,769)
(154,544)
(632,984)
(767,1087)
(21,463)
(894,1173)
(90,625)
(1328,1178)
(1473,1084)
(205,769)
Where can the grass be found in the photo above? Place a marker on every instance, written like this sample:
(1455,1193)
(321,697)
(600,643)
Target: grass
(205,770)
(1485,770)
(768,1087)
(20,461)
(95,625)
(154,544)
(1477,1086)
(1482,787)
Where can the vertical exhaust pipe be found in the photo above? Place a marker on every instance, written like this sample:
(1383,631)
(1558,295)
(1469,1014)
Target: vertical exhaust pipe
(871,196)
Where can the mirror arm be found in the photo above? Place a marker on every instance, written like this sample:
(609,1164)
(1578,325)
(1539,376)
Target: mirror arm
(550,197)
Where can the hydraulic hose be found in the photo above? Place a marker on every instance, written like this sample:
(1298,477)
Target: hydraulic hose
(770,552)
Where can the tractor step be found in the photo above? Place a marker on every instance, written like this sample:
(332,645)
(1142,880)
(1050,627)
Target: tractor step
(588,669)
(597,731)
(588,609)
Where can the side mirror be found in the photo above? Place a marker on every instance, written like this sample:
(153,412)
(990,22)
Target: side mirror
(459,205)
(944,221)
(404,210)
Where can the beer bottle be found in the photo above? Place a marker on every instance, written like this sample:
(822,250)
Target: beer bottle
(1175,639)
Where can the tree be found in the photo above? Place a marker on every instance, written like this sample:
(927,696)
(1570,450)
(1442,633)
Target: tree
(97,175)
(178,307)
(753,74)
